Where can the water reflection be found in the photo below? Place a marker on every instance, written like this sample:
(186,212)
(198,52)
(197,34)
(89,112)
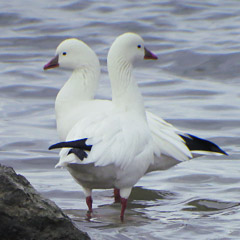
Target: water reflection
(207,205)
(106,214)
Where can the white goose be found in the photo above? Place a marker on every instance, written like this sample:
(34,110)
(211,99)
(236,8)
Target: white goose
(75,99)
(114,149)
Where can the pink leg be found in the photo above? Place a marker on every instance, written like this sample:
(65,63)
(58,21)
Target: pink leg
(124,205)
(117,197)
(89,203)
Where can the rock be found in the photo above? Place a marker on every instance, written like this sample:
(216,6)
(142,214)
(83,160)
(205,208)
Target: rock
(26,215)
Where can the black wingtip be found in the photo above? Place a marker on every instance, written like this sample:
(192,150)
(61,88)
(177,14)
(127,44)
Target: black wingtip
(57,145)
(78,147)
(81,144)
(81,154)
(198,144)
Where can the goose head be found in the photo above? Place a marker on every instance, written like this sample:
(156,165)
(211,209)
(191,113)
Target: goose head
(130,47)
(73,54)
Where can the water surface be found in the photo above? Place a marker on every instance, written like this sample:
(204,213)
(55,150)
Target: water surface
(194,85)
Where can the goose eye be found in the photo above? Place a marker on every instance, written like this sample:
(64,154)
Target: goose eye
(139,46)
(64,53)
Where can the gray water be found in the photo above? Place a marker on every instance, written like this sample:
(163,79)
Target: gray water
(194,85)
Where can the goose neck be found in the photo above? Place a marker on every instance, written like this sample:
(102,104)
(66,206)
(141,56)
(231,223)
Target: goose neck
(125,92)
(81,85)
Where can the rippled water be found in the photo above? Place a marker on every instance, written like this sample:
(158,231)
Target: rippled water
(195,85)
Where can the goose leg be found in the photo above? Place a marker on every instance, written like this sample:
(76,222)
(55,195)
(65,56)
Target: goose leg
(89,201)
(124,205)
(117,197)
(124,194)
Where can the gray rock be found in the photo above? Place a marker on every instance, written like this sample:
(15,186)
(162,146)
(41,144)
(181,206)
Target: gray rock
(26,215)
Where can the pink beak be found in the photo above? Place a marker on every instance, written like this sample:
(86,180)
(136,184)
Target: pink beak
(52,64)
(149,55)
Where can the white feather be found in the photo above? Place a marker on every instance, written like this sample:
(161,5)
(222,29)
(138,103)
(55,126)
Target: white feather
(167,140)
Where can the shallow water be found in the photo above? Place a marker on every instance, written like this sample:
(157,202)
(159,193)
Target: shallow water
(194,85)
